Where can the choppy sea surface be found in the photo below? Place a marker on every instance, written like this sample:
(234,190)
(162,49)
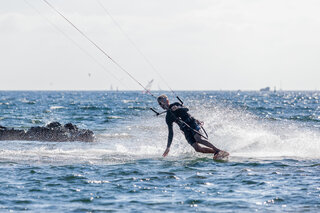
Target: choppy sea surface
(273,139)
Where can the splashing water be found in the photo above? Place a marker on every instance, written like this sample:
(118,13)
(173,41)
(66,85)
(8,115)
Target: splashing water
(273,139)
(134,132)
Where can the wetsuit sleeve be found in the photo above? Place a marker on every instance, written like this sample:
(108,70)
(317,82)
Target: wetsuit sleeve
(170,135)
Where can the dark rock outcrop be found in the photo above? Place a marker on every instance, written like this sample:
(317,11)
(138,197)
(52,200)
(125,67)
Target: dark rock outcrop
(51,132)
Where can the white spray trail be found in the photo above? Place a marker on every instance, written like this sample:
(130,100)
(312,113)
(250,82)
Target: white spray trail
(240,133)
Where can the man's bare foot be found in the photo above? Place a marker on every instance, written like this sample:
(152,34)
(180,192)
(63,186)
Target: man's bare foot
(220,155)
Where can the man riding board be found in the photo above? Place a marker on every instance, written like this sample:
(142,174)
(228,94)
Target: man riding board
(177,113)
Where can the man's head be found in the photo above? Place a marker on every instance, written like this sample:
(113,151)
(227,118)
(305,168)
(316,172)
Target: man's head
(163,101)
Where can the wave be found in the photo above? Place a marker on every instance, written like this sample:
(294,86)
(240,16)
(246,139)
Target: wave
(305,118)
(244,135)
(60,153)
(26,101)
(93,108)
(57,107)
(238,132)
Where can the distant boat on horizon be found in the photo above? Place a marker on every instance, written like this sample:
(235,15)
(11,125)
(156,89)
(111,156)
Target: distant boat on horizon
(266,89)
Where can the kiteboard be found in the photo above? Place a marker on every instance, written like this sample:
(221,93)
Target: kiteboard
(222,155)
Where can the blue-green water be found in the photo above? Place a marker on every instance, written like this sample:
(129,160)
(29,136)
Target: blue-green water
(273,139)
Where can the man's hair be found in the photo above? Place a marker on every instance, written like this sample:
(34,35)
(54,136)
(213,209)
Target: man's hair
(162,97)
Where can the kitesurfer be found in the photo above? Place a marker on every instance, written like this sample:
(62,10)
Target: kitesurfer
(191,128)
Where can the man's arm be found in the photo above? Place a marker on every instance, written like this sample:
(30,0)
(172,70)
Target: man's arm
(170,138)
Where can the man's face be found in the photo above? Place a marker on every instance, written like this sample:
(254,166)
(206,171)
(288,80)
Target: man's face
(164,103)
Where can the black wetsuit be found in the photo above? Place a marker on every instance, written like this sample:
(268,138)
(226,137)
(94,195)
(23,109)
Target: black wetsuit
(180,113)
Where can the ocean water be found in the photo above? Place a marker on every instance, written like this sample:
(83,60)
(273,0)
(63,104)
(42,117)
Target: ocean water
(273,139)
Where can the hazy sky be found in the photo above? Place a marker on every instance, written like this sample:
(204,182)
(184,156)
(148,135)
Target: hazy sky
(194,44)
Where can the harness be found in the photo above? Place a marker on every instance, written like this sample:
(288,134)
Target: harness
(179,121)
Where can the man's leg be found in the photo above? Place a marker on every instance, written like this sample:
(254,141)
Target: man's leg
(196,145)
(199,148)
(218,154)
(202,141)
